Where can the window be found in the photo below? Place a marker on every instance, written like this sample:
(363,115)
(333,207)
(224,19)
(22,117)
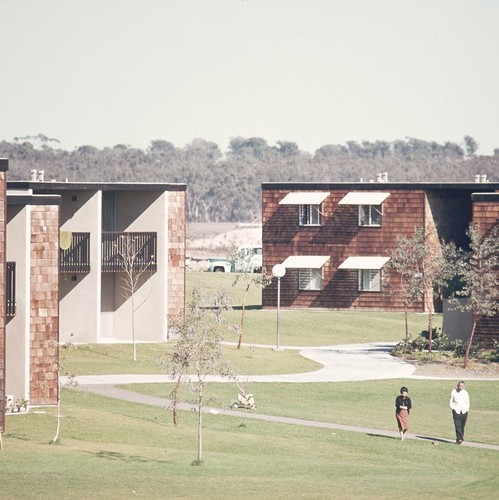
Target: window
(370,215)
(310,279)
(10,289)
(370,280)
(108,211)
(310,215)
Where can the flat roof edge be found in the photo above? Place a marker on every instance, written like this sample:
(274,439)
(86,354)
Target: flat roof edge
(473,186)
(96,186)
(33,199)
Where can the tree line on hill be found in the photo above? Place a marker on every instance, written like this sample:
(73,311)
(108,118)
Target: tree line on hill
(225,186)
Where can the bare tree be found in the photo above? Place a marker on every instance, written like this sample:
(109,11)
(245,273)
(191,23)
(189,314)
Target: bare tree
(436,266)
(480,278)
(242,261)
(134,262)
(61,365)
(424,266)
(198,351)
(404,261)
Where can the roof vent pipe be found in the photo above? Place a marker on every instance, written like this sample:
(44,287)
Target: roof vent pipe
(484,178)
(477,177)
(34,175)
(41,175)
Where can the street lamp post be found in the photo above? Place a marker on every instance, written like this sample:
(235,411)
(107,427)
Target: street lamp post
(278,271)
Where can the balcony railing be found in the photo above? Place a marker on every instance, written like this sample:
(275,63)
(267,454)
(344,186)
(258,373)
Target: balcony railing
(76,259)
(127,252)
(11,289)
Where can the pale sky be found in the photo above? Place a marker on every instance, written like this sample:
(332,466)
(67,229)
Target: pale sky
(315,72)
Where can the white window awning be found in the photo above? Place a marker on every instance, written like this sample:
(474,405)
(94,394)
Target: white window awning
(364,198)
(305,261)
(364,263)
(304,198)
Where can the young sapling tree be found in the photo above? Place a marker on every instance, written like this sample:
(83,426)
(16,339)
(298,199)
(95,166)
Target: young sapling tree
(479,275)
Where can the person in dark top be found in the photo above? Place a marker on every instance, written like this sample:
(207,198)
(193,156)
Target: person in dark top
(403,407)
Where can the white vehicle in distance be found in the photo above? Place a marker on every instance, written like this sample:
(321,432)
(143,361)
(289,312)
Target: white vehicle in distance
(248,259)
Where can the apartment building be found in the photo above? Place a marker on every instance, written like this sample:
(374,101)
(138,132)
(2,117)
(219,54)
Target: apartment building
(334,239)
(75,249)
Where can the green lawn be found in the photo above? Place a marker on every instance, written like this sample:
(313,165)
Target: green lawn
(297,328)
(305,327)
(364,404)
(95,359)
(112,449)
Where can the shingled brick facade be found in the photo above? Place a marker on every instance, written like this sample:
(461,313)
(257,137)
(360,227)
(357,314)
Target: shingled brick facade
(44,304)
(486,214)
(176,253)
(339,236)
(333,235)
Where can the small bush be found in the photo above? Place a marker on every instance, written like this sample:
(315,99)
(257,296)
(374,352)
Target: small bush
(493,355)
(403,348)
(440,341)
(459,347)
(421,343)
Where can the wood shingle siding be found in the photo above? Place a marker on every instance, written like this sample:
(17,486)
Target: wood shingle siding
(339,236)
(486,213)
(447,208)
(44,320)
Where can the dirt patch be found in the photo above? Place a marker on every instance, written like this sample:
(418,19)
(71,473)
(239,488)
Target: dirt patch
(454,369)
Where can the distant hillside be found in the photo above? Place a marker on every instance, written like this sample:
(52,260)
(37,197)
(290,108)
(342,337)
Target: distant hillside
(225,186)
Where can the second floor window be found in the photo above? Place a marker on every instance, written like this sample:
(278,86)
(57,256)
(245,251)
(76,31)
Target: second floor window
(108,211)
(370,215)
(309,215)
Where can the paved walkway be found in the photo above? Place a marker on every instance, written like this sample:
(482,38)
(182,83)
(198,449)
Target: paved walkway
(340,363)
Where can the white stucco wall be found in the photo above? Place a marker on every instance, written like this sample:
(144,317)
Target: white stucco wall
(143,211)
(80,293)
(92,306)
(18,327)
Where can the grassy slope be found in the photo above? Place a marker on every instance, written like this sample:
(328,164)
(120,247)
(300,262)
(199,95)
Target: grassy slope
(365,404)
(306,327)
(113,449)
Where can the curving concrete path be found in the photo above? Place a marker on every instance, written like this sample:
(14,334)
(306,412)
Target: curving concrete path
(347,363)
(340,364)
